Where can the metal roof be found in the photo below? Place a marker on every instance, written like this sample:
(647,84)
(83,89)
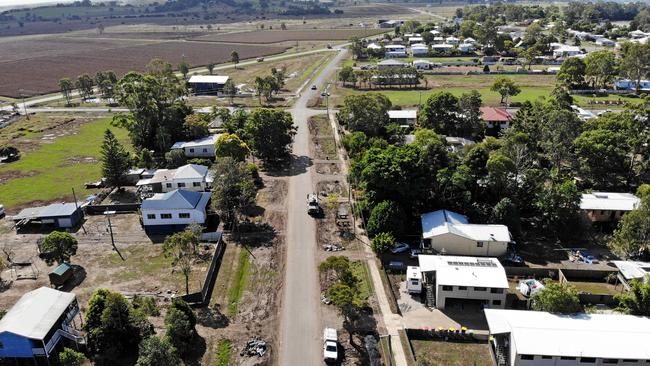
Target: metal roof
(632,269)
(609,201)
(445,222)
(213,79)
(205,141)
(53,210)
(611,336)
(406,113)
(61,269)
(464,271)
(34,315)
(177,199)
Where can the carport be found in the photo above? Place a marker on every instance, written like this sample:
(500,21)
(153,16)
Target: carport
(56,215)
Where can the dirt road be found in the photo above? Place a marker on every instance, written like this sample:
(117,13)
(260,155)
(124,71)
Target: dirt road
(300,342)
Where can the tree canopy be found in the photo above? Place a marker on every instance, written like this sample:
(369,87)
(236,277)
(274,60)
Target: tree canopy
(59,246)
(557,298)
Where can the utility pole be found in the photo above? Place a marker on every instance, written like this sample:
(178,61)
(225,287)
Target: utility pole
(110,230)
(76,204)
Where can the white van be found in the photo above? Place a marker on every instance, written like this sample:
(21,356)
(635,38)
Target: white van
(330,345)
(413,280)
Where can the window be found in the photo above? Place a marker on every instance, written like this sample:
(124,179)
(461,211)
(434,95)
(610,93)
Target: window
(527,357)
(151,216)
(184,215)
(480,289)
(166,216)
(181,185)
(415,282)
(547,357)
(496,302)
(567,358)
(496,290)
(630,361)
(2,345)
(191,150)
(196,184)
(205,150)
(479,244)
(462,288)
(447,288)
(610,361)
(168,185)
(587,360)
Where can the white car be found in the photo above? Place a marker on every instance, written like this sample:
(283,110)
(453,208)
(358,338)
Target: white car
(400,248)
(330,345)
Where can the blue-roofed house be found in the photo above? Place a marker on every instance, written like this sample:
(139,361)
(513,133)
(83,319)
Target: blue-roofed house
(36,324)
(448,232)
(170,212)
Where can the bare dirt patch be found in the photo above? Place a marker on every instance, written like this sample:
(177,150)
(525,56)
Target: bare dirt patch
(328,168)
(266,36)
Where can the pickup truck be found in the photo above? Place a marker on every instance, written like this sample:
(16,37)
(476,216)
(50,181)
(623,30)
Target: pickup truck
(313,208)
(330,345)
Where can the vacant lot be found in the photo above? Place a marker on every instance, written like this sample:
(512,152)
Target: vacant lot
(273,36)
(452,354)
(36,73)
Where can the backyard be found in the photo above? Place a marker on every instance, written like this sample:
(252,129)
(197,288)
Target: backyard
(452,353)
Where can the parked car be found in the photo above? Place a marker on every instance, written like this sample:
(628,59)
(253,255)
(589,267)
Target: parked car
(400,248)
(313,206)
(396,266)
(330,345)
(513,260)
(415,252)
(313,87)
(2,210)
(260,59)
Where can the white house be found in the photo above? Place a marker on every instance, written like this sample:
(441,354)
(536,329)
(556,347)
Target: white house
(469,40)
(414,40)
(395,50)
(536,338)
(636,34)
(466,47)
(438,40)
(170,212)
(442,48)
(201,148)
(604,42)
(626,84)
(423,64)
(373,46)
(567,51)
(419,49)
(448,232)
(191,177)
(452,40)
(403,117)
(463,278)
(390,64)
(632,270)
(608,206)
(458,143)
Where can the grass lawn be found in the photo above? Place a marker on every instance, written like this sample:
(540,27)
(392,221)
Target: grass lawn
(57,165)
(587,101)
(595,287)
(223,353)
(451,353)
(240,279)
(360,272)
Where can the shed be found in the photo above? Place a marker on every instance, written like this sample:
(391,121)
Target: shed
(61,274)
(57,215)
(207,84)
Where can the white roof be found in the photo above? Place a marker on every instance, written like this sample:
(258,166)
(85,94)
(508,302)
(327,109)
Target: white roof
(444,222)
(34,315)
(178,199)
(373,46)
(419,45)
(394,46)
(612,336)
(632,269)
(416,39)
(565,48)
(609,201)
(442,45)
(413,272)
(452,38)
(188,171)
(400,114)
(205,141)
(213,79)
(391,63)
(465,271)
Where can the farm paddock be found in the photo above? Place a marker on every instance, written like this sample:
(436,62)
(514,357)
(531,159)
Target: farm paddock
(276,36)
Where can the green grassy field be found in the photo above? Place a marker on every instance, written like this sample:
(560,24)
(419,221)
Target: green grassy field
(51,171)
(451,353)
(239,282)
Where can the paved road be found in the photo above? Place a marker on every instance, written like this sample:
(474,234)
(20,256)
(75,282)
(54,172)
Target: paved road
(300,342)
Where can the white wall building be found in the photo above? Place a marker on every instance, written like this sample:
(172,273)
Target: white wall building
(419,49)
(567,51)
(608,206)
(201,148)
(604,42)
(466,47)
(170,212)
(463,278)
(395,50)
(191,177)
(632,270)
(452,40)
(536,338)
(423,64)
(442,48)
(451,233)
(403,117)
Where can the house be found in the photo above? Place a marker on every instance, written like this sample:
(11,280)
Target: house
(403,117)
(391,64)
(170,212)
(191,177)
(395,50)
(604,42)
(607,206)
(566,51)
(415,40)
(373,47)
(423,64)
(522,338)
(466,47)
(458,143)
(419,49)
(390,23)
(438,40)
(448,232)
(450,278)
(632,270)
(626,84)
(134,175)
(469,40)
(207,84)
(434,32)
(496,117)
(442,48)
(200,148)
(636,34)
(583,114)
(36,324)
(452,40)
(56,216)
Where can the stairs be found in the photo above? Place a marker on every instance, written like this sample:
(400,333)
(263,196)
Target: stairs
(431,298)
(502,356)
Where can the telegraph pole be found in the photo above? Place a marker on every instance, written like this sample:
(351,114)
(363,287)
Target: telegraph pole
(110,230)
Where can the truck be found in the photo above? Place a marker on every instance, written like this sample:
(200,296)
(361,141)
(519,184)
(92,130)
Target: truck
(313,207)
(330,345)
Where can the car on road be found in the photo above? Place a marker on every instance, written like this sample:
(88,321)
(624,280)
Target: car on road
(260,59)
(400,248)
(313,206)
(415,252)
(330,345)
(313,87)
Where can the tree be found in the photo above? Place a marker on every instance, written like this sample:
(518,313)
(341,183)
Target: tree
(506,213)
(175,158)
(346,74)
(506,87)
(386,217)
(184,68)
(602,157)
(572,73)
(559,204)
(382,242)
(59,246)
(338,268)
(600,68)
(471,123)
(344,298)
(156,351)
(356,47)
(233,189)
(230,145)
(355,143)
(115,160)
(367,113)
(85,85)
(559,130)
(180,331)
(234,57)
(70,357)
(632,236)
(269,133)
(210,67)
(181,248)
(557,298)
(105,81)
(230,89)
(66,86)
(635,301)
(635,62)
(440,113)
(195,126)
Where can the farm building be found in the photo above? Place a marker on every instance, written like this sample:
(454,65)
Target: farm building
(56,216)
(448,232)
(463,278)
(200,148)
(207,84)
(607,206)
(494,117)
(191,177)
(390,23)
(403,117)
(36,324)
(632,270)
(522,338)
(170,212)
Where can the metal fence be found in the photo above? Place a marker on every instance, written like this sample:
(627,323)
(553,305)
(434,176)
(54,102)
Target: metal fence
(202,298)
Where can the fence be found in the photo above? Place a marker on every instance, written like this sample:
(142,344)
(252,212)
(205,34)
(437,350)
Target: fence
(202,298)
(119,208)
